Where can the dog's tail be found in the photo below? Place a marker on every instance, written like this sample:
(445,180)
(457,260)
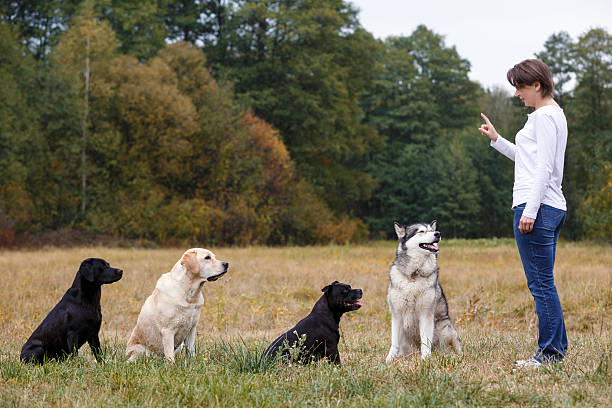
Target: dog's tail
(134,351)
(276,347)
(134,347)
(456,343)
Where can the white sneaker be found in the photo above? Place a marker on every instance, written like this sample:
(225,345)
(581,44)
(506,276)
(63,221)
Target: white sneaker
(526,364)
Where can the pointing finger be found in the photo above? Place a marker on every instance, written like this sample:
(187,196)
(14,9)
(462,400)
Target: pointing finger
(485,118)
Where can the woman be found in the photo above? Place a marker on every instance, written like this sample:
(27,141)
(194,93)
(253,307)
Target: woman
(537,200)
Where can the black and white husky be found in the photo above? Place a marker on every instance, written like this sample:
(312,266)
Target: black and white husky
(419,312)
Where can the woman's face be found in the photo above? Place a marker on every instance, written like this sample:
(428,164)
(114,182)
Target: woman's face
(529,94)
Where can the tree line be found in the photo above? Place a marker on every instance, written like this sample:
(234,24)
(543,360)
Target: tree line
(270,122)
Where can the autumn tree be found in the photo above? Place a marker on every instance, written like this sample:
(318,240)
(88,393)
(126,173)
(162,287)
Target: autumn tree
(84,50)
(302,66)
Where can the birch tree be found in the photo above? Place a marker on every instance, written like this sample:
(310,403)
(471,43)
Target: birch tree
(82,52)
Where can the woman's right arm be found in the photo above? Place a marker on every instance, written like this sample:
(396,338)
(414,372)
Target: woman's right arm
(500,144)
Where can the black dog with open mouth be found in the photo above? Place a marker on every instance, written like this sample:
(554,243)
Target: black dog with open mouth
(316,336)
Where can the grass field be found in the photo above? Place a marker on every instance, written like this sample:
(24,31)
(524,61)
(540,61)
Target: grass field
(267,290)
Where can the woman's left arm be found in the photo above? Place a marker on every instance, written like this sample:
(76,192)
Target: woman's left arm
(546,139)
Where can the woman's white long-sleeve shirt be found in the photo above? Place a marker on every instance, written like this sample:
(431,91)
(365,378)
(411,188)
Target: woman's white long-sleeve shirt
(538,157)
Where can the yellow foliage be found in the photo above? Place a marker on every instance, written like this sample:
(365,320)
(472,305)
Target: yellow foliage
(171,158)
(195,221)
(189,65)
(277,165)
(157,121)
(87,37)
(341,231)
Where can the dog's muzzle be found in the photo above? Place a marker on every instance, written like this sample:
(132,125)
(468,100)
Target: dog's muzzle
(355,303)
(432,246)
(214,278)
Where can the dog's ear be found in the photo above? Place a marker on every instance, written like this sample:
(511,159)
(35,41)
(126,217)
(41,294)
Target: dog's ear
(190,262)
(87,270)
(328,287)
(434,224)
(399,230)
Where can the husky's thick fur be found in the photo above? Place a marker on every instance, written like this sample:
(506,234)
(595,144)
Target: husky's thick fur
(419,312)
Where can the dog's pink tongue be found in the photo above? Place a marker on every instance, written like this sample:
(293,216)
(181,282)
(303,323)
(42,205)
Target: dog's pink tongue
(435,245)
(358,303)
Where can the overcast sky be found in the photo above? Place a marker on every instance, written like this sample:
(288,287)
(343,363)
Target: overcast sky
(492,34)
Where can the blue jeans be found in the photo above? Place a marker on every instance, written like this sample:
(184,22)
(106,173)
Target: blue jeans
(537,249)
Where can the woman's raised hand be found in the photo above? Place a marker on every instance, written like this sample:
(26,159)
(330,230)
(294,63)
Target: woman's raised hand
(488,129)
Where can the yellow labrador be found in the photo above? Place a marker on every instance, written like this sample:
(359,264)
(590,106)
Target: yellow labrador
(169,317)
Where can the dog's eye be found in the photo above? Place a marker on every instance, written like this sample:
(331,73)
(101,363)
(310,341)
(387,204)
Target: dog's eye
(207,257)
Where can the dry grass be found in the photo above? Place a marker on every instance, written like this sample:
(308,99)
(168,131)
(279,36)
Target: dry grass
(268,289)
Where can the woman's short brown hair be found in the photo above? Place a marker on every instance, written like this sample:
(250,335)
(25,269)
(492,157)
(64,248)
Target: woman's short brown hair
(530,71)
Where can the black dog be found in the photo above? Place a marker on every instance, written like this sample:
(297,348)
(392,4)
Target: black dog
(76,319)
(316,336)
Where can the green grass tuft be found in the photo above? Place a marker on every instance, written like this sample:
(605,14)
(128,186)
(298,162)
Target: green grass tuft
(244,357)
